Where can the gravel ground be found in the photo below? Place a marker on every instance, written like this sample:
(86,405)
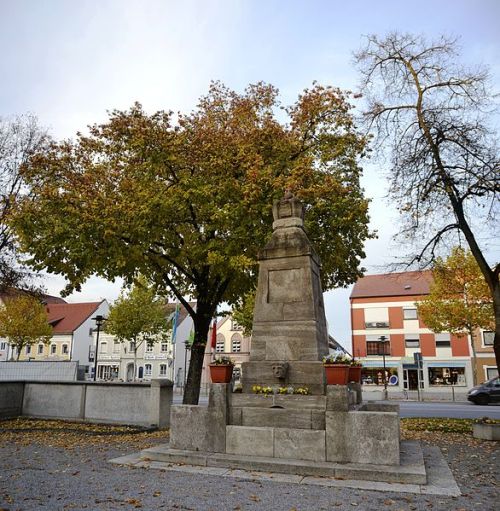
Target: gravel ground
(59,470)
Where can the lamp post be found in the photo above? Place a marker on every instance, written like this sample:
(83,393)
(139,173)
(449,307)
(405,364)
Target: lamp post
(383,340)
(99,320)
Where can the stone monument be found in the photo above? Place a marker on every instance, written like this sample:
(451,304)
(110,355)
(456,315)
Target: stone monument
(289,335)
(328,432)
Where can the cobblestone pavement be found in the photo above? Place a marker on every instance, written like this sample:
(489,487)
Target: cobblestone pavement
(72,473)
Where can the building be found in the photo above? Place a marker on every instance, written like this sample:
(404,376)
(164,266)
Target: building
(230,342)
(385,305)
(486,366)
(72,334)
(116,360)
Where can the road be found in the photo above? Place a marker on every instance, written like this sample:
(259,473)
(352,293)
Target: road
(457,410)
(449,410)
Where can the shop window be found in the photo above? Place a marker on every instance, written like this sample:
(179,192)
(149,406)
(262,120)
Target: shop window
(375,375)
(443,340)
(163,369)
(412,341)
(410,313)
(488,338)
(447,376)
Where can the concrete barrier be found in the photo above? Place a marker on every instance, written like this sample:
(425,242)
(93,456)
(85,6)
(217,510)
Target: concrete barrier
(138,404)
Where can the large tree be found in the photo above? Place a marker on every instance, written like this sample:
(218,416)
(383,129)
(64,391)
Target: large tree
(434,116)
(459,300)
(24,322)
(20,137)
(186,200)
(139,316)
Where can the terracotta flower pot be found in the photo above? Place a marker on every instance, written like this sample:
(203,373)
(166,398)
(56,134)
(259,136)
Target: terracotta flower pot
(337,374)
(355,374)
(221,373)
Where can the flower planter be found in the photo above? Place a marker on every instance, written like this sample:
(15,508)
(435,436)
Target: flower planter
(337,374)
(221,373)
(355,374)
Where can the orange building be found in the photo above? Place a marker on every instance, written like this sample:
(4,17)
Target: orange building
(385,306)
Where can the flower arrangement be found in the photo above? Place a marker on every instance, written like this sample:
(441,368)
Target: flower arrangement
(356,363)
(222,361)
(335,359)
(260,389)
(266,390)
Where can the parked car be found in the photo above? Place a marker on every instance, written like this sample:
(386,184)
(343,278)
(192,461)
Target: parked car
(486,393)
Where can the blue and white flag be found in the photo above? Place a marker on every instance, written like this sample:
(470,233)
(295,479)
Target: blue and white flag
(175,321)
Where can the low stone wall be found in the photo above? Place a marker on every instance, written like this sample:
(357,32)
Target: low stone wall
(138,404)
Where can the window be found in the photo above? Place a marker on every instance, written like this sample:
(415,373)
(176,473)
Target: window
(53,349)
(219,346)
(235,326)
(410,314)
(163,369)
(28,350)
(164,347)
(116,346)
(377,317)
(131,346)
(147,370)
(374,345)
(412,340)
(236,343)
(65,349)
(40,349)
(491,372)
(149,347)
(447,376)
(375,375)
(3,346)
(104,347)
(488,338)
(443,340)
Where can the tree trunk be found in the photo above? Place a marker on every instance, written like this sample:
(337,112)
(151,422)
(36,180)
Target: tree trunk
(192,390)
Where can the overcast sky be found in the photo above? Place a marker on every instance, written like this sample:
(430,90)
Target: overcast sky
(69,61)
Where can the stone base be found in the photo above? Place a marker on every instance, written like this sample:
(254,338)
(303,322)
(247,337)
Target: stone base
(411,470)
(300,374)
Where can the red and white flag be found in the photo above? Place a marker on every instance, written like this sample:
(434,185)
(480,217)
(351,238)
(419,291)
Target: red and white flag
(213,341)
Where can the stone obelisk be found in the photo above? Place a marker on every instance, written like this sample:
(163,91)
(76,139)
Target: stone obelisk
(289,336)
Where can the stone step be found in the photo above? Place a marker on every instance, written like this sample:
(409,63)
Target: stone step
(277,417)
(287,401)
(410,471)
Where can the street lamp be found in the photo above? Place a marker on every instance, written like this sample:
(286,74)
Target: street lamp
(99,321)
(382,350)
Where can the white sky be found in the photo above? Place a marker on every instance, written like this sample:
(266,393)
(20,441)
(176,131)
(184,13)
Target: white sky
(69,62)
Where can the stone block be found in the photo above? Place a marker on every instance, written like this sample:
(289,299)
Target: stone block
(299,444)
(337,398)
(276,418)
(317,419)
(380,407)
(59,401)
(235,415)
(190,428)
(250,441)
(486,431)
(356,388)
(336,438)
(161,394)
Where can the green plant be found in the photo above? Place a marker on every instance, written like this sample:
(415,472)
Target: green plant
(356,363)
(334,359)
(222,361)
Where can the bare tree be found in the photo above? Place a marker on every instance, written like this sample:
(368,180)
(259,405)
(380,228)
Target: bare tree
(435,117)
(20,137)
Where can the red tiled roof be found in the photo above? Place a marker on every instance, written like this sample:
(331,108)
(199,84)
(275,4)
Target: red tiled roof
(12,293)
(407,283)
(65,318)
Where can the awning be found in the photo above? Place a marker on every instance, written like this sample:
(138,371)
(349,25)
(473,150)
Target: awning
(379,363)
(445,364)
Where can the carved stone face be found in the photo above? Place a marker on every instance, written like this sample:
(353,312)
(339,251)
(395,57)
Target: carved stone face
(280,370)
